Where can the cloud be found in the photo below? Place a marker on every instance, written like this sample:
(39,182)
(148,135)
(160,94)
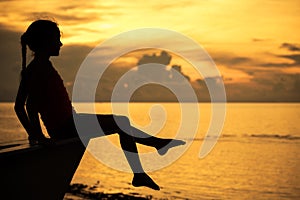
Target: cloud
(295,58)
(179,70)
(66,18)
(175,73)
(79,5)
(239,62)
(290,47)
(178,5)
(148,75)
(69,7)
(230,59)
(258,40)
(164,58)
(263,87)
(267,86)
(280,84)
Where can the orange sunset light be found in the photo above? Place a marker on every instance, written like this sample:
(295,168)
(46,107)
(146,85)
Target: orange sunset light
(256,43)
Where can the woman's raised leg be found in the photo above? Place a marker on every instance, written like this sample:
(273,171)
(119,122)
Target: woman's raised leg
(109,126)
(161,144)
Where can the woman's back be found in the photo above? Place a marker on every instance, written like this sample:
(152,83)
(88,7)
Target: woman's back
(47,93)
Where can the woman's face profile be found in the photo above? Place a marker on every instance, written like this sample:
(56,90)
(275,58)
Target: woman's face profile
(54,44)
(50,44)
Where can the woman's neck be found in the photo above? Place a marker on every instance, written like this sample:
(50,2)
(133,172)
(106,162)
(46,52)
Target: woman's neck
(41,57)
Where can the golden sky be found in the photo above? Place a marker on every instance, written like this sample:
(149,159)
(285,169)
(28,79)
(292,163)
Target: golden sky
(247,39)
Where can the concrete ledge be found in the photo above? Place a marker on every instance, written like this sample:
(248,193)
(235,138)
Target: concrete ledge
(38,172)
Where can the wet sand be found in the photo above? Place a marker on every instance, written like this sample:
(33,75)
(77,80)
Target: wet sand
(78,191)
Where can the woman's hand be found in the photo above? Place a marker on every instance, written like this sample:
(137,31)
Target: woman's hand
(42,140)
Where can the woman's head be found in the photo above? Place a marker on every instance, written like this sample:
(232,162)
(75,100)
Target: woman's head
(42,36)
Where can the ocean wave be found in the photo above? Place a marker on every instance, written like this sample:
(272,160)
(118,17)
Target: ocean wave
(275,136)
(262,136)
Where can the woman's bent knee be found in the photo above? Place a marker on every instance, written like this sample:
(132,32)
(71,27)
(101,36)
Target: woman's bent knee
(123,123)
(123,120)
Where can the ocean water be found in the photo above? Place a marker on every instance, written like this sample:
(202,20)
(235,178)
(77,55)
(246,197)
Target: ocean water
(256,157)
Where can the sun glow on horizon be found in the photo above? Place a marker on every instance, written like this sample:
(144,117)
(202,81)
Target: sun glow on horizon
(246,39)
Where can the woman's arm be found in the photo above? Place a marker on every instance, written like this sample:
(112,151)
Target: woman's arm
(29,119)
(34,120)
(20,106)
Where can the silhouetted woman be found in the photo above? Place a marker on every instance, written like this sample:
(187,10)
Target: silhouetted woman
(42,91)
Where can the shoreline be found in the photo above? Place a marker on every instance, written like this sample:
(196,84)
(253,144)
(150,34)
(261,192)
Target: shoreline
(79,191)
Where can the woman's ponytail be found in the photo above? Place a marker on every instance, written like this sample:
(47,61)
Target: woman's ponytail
(36,33)
(24,52)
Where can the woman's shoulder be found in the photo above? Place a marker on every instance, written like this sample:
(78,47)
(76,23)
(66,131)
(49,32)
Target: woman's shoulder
(38,71)
(40,63)
(39,67)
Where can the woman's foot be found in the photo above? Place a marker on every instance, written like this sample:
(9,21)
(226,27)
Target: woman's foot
(142,179)
(169,143)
